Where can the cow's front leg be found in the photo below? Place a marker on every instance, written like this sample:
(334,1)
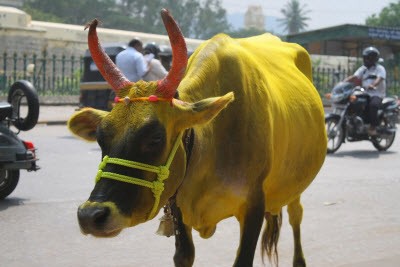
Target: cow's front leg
(184,247)
(250,228)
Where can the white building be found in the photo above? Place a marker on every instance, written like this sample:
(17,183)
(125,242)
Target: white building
(20,34)
(254,18)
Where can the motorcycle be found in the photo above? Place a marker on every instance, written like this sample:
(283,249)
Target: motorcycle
(349,120)
(21,111)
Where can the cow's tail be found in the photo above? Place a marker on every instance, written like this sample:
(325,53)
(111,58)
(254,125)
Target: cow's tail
(270,236)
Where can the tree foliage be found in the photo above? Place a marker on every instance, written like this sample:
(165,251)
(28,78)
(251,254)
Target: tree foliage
(388,17)
(210,20)
(197,18)
(295,17)
(246,32)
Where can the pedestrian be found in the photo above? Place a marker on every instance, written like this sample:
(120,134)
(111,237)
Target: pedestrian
(156,69)
(131,61)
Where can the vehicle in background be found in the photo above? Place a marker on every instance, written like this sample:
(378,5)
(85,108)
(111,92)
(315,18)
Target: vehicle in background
(95,92)
(21,111)
(349,120)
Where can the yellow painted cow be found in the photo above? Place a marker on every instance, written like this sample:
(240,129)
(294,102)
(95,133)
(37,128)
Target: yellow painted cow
(244,138)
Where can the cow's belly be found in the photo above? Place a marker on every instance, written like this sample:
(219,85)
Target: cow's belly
(288,179)
(299,150)
(207,209)
(284,193)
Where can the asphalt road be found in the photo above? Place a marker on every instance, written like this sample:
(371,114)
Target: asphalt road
(351,214)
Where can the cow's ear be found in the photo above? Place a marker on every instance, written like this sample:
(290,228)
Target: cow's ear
(201,112)
(84,123)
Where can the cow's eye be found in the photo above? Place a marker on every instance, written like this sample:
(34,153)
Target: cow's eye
(155,140)
(154,143)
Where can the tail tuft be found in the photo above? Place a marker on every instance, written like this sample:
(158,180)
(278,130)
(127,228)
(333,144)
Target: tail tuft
(270,236)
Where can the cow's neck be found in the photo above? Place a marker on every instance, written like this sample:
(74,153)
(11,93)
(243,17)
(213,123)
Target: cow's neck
(171,207)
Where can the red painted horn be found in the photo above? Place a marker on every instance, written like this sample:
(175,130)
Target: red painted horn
(107,68)
(167,86)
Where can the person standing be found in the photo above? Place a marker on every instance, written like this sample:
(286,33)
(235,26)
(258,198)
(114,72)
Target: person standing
(131,61)
(373,78)
(156,69)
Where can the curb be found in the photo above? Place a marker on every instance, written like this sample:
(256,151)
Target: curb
(50,123)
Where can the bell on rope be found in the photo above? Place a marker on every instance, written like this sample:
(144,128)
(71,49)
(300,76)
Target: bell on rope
(166,227)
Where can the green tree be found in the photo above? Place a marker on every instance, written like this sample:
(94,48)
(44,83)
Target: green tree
(388,17)
(245,32)
(185,12)
(42,15)
(295,17)
(210,20)
(71,11)
(147,14)
(197,18)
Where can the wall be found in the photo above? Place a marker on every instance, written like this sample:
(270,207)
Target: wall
(20,34)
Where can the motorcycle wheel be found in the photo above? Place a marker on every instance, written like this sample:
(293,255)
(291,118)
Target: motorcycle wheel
(23,94)
(335,134)
(382,143)
(8,182)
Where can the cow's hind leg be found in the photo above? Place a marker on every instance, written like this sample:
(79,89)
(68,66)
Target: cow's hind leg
(184,247)
(295,211)
(250,227)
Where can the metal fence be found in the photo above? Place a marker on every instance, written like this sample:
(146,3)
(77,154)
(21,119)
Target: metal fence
(51,75)
(61,75)
(325,78)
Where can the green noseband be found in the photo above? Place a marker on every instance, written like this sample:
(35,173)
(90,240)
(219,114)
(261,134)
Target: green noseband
(157,186)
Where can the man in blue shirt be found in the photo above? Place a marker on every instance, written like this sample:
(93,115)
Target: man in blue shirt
(131,61)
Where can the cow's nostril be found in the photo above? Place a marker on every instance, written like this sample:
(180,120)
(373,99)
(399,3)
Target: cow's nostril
(100,215)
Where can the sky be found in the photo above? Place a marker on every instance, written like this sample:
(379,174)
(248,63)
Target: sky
(323,13)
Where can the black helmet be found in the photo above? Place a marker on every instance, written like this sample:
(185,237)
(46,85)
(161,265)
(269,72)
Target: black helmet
(370,56)
(152,48)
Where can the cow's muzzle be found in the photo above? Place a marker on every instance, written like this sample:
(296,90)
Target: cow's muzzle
(100,219)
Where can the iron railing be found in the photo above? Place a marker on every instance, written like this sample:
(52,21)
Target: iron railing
(326,78)
(61,75)
(51,75)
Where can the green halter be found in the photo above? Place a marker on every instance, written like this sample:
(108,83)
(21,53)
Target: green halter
(157,186)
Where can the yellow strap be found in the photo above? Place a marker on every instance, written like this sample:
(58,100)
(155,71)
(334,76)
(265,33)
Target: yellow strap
(133,164)
(157,186)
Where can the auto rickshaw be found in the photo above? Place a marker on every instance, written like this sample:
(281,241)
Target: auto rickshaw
(95,92)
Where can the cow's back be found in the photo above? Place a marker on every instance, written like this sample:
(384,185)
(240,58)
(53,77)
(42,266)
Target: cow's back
(273,133)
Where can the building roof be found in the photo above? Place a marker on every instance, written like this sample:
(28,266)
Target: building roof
(352,35)
(347,32)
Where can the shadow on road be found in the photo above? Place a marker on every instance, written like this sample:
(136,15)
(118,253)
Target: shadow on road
(361,154)
(68,137)
(11,202)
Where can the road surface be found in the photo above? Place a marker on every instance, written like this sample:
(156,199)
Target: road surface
(351,214)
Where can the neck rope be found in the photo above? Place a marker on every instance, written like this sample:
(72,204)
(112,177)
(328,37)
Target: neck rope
(157,186)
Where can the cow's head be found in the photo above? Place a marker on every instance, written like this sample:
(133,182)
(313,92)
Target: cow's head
(144,159)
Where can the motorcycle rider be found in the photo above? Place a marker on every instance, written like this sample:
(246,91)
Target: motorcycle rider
(372,77)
